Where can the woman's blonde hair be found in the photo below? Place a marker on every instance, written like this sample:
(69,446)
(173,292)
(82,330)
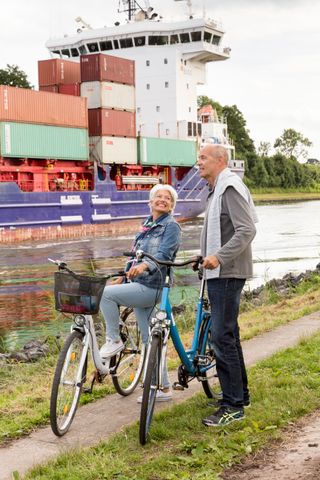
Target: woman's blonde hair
(164,186)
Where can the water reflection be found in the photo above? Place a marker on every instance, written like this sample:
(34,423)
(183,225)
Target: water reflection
(288,240)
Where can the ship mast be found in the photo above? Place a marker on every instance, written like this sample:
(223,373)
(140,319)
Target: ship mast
(129,6)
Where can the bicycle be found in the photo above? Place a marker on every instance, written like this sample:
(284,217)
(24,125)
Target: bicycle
(197,362)
(80,295)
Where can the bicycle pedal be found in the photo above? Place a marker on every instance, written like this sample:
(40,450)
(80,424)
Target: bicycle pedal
(177,386)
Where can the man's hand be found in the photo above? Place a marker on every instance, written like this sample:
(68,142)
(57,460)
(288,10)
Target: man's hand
(117,281)
(137,270)
(210,262)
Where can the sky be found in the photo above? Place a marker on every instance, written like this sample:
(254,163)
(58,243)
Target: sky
(272,76)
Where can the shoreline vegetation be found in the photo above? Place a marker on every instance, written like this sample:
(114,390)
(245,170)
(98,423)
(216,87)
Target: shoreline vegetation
(263,196)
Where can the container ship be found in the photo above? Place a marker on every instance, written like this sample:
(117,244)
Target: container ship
(115,114)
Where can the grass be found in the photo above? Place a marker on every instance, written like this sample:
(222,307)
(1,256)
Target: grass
(277,195)
(284,388)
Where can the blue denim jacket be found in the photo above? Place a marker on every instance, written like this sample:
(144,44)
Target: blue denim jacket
(162,241)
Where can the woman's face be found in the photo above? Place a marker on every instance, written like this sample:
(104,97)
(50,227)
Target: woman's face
(162,203)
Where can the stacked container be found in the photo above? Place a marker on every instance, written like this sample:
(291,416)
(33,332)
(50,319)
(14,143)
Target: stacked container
(109,86)
(59,76)
(42,125)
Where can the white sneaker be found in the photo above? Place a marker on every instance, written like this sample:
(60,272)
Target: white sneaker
(110,348)
(160,396)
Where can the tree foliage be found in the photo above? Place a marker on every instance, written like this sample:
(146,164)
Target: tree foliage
(292,144)
(281,170)
(13,76)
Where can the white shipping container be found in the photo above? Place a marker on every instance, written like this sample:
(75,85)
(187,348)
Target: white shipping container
(109,95)
(110,150)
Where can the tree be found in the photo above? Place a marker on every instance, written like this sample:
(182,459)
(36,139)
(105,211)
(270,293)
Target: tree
(238,132)
(264,149)
(13,76)
(292,144)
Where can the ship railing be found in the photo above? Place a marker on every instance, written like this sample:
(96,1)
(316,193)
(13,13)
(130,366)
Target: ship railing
(139,179)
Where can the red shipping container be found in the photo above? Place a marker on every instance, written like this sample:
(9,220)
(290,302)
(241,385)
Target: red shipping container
(49,88)
(107,122)
(30,106)
(70,89)
(56,71)
(107,68)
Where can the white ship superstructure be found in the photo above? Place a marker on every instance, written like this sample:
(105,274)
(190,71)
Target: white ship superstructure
(170,60)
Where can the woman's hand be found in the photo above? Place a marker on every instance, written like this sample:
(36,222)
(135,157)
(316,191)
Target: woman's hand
(137,270)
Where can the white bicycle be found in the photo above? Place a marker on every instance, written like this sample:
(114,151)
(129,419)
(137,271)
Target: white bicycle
(80,295)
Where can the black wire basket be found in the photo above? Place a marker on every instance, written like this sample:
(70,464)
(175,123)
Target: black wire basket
(77,293)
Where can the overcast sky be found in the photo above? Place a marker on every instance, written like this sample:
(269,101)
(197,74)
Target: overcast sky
(273,75)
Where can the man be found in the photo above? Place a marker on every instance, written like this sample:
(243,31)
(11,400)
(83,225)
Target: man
(226,247)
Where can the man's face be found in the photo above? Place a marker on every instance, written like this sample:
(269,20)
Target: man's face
(209,164)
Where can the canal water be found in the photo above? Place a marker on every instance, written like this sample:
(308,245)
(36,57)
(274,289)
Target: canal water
(288,240)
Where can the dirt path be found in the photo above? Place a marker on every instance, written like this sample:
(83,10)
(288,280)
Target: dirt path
(296,457)
(97,421)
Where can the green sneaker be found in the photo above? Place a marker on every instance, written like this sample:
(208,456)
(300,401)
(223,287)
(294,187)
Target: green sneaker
(224,416)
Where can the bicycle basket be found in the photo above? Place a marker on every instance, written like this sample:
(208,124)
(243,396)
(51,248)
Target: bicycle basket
(77,293)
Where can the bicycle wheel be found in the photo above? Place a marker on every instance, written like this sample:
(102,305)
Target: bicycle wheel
(65,392)
(128,364)
(150,388)
(207,374)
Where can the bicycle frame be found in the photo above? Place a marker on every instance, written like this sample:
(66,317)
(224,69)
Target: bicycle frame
(187,357)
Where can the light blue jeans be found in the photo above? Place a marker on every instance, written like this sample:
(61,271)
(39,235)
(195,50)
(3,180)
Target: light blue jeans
(143,300)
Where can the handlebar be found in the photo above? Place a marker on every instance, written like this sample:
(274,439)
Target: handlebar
(140,254)
(63,266)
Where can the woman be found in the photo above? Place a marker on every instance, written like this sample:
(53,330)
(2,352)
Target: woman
(160,236)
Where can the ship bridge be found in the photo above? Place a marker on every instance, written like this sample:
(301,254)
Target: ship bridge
(198,39)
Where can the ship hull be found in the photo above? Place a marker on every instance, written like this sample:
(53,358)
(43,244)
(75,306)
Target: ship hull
(50,215)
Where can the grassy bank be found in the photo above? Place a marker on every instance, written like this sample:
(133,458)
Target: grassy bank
(25,388)
(273,195)
(283,388)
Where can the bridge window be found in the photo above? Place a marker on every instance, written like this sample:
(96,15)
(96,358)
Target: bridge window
(166,84)
(93,47)
(165,61)
(216,39)
(196,36)
(174,39)
(207,36)
(107,45)
(184,38)
(74,52)
(148,63)
(116,44)
(139,41)
(126,42)
(82,50)
(158,39)
(65,52)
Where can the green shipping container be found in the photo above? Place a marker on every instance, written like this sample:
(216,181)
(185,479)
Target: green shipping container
(43,141)
(163,151)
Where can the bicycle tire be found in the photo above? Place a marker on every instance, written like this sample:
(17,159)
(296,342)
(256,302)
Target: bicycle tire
(150,388)
(128,364)
(65,392)
(205,339)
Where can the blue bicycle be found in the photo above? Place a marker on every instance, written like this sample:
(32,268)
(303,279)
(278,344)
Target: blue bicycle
(197,362)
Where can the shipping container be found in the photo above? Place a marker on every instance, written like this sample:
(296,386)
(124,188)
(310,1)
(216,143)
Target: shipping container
(70,89)
(109,95)
(30,106)
(28,140)
(49,88)
(110,150)
(101,67)
(162,151)
(103,121)
(56,71)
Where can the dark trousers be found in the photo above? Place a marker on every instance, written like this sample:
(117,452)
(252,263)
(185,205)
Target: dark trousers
(224,297)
